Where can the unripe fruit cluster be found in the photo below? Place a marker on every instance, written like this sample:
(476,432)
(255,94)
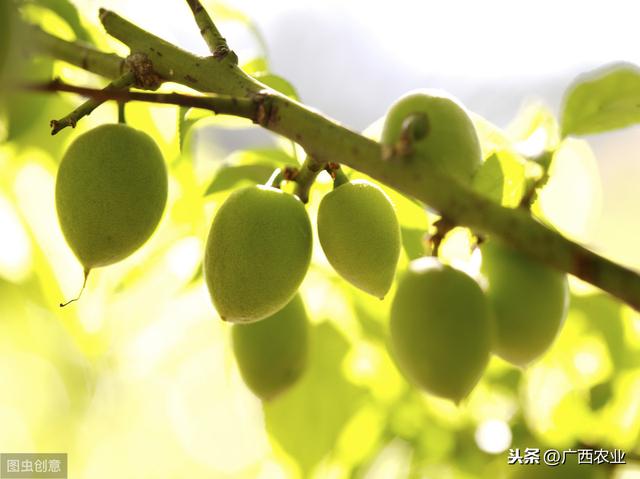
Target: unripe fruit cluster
(111,191)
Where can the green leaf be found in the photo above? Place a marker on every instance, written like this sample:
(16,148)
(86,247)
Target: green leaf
(413,242)
(255,66)
(489,180)
(26,110)
(600,395)
(307,421)
(69,13)
(252,166)
(604,316)
(602,100)
(501,178)
(184,125)
(229,176)
(279,84)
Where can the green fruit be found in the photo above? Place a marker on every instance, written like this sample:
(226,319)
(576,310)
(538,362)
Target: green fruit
(440,328)
(257,254)
(444,139)
(272,353)
(360,235)
(529,301)
(111,190)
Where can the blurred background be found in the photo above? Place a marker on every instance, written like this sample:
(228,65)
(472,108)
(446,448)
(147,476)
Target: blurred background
(138,378)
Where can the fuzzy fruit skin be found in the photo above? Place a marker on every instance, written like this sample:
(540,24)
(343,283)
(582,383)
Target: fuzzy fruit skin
(451,144)
(257,253)
(440,328)
(111,190)
(529,301)
(360,235)
(272,353)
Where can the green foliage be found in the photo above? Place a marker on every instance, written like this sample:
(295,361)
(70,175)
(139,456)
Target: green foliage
(278,83)
(5,34)
(272,353)
(111,190)
(248,166)
(26,111)
(360,235)
(307,420)
(529,302)
(602,100)
(69,13)
(440,329)
(144,327)
(257,253)
(445,138)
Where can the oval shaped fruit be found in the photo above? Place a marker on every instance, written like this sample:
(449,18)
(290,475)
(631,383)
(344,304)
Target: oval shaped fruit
(111,190)
(257,253)
(272,353)
(440,328)
(529,301)
(360,235)
(447,140)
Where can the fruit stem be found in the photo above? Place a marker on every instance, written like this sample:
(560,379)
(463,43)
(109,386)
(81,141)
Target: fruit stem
(84,283)
(339,178)
(309,170)
(275,179)
(122,117)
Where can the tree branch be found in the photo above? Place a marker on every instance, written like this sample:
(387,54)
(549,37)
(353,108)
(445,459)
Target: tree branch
(108,65)
(218,104)
(173,64)
(325,140)
(215,41)
(121,83)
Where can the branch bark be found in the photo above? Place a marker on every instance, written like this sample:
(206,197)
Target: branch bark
(215,41)
(327,141)
(121,83)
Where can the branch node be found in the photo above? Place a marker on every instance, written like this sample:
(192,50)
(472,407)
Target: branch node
(265,115)
(141,66)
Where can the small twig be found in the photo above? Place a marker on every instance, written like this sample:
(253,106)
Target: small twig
(121,83)
(215,41)
(218,104)
(531,195)
(443,226)
(309,170)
